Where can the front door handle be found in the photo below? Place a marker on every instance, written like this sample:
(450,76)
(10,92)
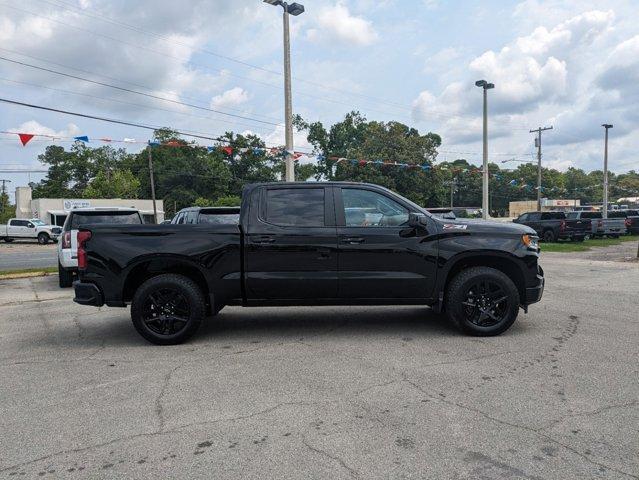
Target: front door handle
(353,240)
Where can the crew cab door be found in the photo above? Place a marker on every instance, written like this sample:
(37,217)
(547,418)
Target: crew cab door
(291,243)
(380,256)
(20,229)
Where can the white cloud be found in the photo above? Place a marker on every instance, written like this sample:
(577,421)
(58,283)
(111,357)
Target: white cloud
(230,98)
(336,23)
(32,126)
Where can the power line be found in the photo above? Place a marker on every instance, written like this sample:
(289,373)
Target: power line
(128,90)
(107,19)
(126,103)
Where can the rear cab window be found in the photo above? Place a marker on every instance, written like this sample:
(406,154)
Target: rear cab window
(114,218)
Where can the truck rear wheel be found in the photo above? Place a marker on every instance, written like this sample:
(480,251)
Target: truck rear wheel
(482,301)
(65,277)
(168,309)
(549,236)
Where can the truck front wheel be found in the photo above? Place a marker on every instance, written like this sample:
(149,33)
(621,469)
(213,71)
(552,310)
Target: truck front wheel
(482,301)
(168,309)
(43,238)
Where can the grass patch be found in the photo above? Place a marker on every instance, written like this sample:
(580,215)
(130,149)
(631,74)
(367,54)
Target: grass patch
(586,244)
(28,270)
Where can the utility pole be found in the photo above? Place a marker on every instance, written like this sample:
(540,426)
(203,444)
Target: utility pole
(294,9)
(453,187)
(538,142)
(604,213)
(484,200)
(4,191)
(155,210)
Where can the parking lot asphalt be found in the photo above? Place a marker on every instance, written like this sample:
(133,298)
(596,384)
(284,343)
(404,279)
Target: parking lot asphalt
(357,392)
(21,254)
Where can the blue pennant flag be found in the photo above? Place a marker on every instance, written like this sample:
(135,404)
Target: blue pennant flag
(354,162)
(258,150)
(210,149)
(425,167)
(513,182)
(82,138)
(154,143)
(320,158)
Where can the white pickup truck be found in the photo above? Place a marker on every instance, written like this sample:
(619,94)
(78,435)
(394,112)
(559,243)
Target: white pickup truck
(19,228)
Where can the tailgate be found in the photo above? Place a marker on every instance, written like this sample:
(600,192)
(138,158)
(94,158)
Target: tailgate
(578,225)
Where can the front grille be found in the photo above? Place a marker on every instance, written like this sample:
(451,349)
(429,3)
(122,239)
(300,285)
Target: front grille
(56,230)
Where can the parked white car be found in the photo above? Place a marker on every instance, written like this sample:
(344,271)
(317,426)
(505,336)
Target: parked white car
(68,246)
(20,228)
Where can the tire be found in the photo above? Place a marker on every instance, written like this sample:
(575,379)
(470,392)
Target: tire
(8,240)
(464,293)
(43,238)
(65,277)
(168,309)
(579,239)
(548,236)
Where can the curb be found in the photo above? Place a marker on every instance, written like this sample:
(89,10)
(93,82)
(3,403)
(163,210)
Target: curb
(12,276)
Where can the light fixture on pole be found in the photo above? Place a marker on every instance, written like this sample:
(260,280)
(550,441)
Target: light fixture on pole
(294,9)
(484,201)
(604,212)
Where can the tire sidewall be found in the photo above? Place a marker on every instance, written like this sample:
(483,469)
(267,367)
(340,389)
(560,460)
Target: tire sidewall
(549,236)
(43,238)
(458,292)
(186,287)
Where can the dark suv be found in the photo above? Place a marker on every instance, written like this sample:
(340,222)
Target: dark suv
(551,226)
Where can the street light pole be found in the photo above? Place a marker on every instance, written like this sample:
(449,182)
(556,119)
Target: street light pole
(484,201)
(292,9)
(604,213)
(155,210)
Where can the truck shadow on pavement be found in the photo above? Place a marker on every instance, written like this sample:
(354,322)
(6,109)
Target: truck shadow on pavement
(242,326)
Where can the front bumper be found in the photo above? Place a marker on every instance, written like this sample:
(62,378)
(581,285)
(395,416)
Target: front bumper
(87,294)
(533,294)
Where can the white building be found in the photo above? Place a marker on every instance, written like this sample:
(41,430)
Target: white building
(55,210)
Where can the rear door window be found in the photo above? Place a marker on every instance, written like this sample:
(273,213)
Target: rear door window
(301,207)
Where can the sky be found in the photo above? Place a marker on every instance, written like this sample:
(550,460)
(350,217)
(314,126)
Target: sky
(570,64)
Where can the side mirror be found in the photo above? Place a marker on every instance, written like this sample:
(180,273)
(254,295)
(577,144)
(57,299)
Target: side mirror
(449,216)
(30,225)
(417,220)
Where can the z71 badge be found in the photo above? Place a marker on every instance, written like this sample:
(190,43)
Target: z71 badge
(455,226)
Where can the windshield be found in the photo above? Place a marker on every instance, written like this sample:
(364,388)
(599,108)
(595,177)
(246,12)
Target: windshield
(37,222)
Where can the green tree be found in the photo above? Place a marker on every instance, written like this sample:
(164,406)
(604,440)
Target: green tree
(356,138)
(113,184)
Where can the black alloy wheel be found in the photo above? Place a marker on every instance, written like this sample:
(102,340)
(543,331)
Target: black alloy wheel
(486,303)
(482,301)
(168,309)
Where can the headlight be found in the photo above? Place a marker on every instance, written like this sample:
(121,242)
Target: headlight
(531,241)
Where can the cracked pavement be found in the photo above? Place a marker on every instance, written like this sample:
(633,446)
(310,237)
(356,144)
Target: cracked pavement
(331,392)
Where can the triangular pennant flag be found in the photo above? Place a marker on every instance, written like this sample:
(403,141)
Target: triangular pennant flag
(105,139)
(228,150)
(25,138)
(82,138)
(173,143)
(210,149)
(154,143)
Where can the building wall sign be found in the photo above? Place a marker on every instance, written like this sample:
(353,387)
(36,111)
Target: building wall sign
(71,204)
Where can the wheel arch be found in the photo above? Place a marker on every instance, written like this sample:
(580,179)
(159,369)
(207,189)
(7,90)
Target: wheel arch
(502,261)
(152,267)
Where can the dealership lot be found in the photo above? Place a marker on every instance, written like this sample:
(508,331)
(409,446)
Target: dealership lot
(22,254)
(333,392)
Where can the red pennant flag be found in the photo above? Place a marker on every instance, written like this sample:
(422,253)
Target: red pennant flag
(228,150)
(173,143)
(25,138)
(362,163)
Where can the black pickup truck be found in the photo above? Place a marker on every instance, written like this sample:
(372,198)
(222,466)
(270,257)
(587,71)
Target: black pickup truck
(330,243)
(551,226)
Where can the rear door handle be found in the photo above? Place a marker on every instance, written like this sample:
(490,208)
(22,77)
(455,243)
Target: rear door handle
(353,240)
(264,239)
